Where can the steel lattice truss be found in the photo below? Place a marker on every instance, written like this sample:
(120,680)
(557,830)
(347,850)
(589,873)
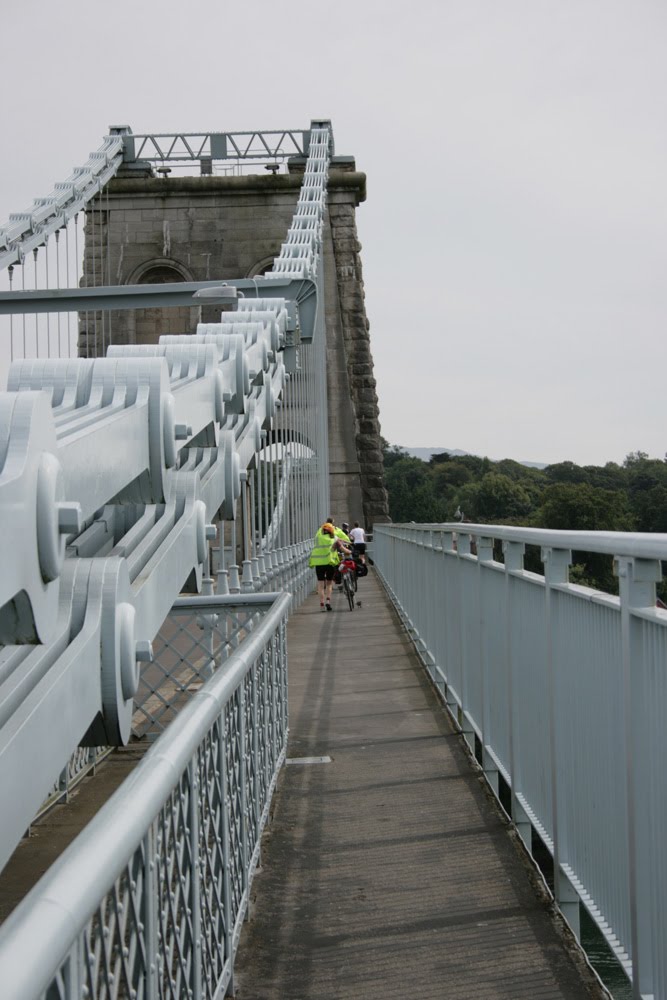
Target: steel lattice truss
(184,146)
(30,229)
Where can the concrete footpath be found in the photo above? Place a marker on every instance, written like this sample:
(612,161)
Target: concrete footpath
(389,872)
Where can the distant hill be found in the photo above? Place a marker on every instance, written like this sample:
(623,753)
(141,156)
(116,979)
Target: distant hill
(425,455)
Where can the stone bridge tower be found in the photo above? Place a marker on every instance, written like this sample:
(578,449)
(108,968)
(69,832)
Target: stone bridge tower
(149,229)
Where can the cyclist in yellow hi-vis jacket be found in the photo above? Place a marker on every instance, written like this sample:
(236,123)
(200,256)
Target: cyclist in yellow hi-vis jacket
(325,556)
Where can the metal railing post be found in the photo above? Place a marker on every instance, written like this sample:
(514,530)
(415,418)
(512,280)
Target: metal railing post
(149,923)
(196,876)
(556,572)
(225,807)
(256,677)
(513,552)
(637,579)
(485,556)
(243,790)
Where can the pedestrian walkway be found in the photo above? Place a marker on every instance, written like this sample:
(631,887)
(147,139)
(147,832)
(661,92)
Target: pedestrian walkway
(388,872)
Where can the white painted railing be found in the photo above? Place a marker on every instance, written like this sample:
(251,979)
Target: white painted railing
(561,692)
(150,899)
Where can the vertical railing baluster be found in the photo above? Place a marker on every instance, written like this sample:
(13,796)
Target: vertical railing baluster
(225,813)
(195,873)
(484,558)
(556,569)
(255,674)
(243,789)
(285,680)
(275,681)
(246,573)
(637,580)
(514,564)
(149,912)
(75,979)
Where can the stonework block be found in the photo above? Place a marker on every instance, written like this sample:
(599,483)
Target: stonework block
(342,230)
(351,245)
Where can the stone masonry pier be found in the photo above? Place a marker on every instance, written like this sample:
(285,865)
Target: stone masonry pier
(148,230)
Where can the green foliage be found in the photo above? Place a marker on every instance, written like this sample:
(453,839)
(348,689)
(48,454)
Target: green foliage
(496,498)
(565,472)
(393,453)
(411,494)
(566,496)
(580,507)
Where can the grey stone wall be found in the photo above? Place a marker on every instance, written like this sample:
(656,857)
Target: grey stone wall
(356,339)
(150,229)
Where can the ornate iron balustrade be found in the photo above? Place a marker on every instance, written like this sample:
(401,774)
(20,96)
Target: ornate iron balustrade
(149,900)
(561,693)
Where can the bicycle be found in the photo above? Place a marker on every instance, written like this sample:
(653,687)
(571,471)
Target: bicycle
(348,575)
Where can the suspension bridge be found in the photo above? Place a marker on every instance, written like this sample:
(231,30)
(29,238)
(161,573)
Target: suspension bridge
(172,433)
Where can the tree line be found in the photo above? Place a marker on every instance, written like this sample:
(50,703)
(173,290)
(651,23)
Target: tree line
(612,497)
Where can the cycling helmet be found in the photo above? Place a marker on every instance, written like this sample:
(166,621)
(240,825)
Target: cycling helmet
(327,528)
(345,526)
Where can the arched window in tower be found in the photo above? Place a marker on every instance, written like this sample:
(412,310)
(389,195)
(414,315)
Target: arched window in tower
(150,324)
(262,266)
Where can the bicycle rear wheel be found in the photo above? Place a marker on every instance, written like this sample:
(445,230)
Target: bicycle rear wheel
(349,593)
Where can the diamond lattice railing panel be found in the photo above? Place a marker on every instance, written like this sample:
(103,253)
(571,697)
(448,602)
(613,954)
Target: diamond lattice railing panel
(262,681)
(175,874)
(113,949)
(252,803)
(187,650)
(210,803)
(234,801)
(273,728)
(169,925)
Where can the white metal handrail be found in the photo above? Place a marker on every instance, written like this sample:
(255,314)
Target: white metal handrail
(561,692)
(152,894)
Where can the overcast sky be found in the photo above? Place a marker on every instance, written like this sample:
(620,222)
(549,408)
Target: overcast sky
(516,152)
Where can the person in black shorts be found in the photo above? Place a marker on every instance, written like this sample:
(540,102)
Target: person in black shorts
(358,538)
(324,557)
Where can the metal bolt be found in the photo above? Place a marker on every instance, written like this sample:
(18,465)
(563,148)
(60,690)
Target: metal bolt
(144,651)
(69,518)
